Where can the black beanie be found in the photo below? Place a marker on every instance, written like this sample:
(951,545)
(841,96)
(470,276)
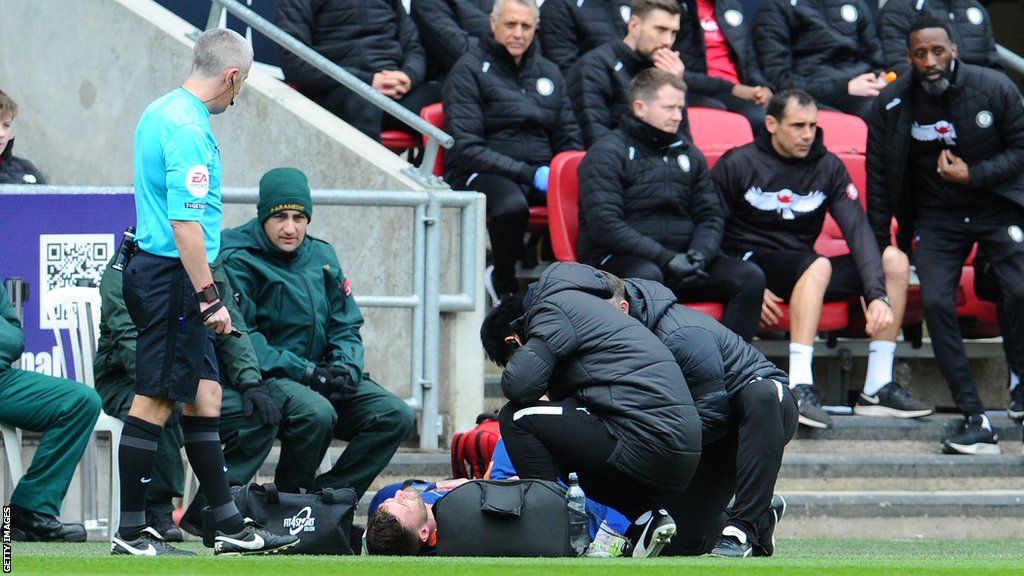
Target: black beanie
(284,189)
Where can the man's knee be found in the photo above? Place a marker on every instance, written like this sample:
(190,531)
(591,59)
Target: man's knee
(761,395)
(896,265)
(819,272)
(315,413)
(88,403)
(398,417)
(748,278)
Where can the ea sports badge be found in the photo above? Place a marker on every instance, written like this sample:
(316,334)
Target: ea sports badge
(1016,234)
(545,86)
(684,162)
(197,181)
(983,119)
(733,18)
(851,191)
(848,12)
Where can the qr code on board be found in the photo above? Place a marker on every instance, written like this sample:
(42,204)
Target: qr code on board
(70,260)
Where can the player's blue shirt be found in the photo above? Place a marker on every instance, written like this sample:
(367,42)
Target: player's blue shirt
(176,173)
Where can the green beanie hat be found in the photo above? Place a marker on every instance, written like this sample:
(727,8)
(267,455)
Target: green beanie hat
(284,189)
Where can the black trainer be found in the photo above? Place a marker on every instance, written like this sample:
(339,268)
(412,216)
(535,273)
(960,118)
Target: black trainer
(649,534)
(975,437)
(892,401)
(149,543)
(1016,408)
(31,526)
(809,404)
(164,524)
(767,524)
(251,540)
(733,543)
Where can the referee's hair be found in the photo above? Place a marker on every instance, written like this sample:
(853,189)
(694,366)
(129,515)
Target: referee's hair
(218,49)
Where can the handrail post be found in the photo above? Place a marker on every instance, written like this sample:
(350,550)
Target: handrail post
(216,14)
(432,327)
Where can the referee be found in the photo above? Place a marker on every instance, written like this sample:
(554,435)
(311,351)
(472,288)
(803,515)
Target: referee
(173,301)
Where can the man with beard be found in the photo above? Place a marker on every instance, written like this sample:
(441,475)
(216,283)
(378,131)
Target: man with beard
(946,157)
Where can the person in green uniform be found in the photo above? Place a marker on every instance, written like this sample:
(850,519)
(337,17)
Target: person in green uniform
(249,416)
(65,412)
(304,324)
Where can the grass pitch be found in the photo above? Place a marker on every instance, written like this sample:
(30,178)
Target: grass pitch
(793,558)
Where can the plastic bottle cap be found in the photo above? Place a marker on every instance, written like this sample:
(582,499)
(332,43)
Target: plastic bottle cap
(890,77)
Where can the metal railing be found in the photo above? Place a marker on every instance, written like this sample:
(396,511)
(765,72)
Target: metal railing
(1010,59)
(435,136)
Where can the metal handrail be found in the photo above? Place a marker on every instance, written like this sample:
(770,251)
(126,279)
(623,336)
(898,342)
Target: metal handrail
(435,136)
(1010,59)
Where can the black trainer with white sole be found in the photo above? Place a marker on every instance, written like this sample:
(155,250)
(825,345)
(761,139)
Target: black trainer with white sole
(149,543)
(649,534)
(251,540)
(892,401)
(1016,408)
(809,404)
(767,524)
(976,436)
(733,543)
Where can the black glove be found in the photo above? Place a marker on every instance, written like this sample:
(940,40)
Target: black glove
(256,399)
(343,386)
(683,266)
(318,375)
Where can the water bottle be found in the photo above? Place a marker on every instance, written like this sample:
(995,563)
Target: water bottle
(125,250)
(579,531)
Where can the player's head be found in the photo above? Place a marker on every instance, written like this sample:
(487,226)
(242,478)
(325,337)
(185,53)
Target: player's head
(657,98)
(792,121)
(400,525)
(221,58)
(8,112)
(285,207)
(500,333)
(653,24)
(618,287)
(932,53)
(514,24)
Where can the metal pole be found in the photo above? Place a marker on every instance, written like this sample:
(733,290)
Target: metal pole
(418,315)
(432,332)
(1010,59)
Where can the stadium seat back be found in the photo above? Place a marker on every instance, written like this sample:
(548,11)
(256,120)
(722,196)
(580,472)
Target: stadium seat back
(843,133)
(434,114)
(563,204)
(718,130)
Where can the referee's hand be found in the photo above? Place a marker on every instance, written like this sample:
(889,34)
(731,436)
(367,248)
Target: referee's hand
(220,321)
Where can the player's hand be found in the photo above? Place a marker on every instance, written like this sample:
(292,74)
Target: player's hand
(762,95)
(256,400)
(771,312)
(879,317)
(449,485)
(953,169)
(219,321)
(867,85)
(669,61)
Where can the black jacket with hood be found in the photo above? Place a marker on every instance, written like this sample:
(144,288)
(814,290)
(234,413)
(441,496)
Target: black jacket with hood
(968,19)
(448,28)
(14,170)
(571,28)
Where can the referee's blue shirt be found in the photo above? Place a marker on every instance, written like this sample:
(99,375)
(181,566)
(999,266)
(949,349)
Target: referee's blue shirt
(177,174)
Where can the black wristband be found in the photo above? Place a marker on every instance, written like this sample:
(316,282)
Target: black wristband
(213,309)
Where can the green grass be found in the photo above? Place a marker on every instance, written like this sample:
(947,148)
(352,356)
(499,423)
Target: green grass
(793,558)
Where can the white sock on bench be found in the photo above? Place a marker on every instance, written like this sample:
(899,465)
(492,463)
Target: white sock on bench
(800,357)
(881,354)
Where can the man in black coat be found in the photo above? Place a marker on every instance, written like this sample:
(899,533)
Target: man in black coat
(648,208)
(598,83)
(828,48)
(448,29)
(13,170)
(592,391)
(777,191)
(507,108)
(571,28)
(968,20)
(374,40)
(747,413)
(946,157)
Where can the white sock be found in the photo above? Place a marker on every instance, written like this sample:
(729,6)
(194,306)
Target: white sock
(881,354)
(1014,380)
(800,357)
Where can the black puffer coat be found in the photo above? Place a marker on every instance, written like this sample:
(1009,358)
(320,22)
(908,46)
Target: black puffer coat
(716,363)
(362,36)
(448,28)
(577,344)
(571,28)
(14,170)
(507,120)
(736,27)
(969,20)
(817,45)
(646,193)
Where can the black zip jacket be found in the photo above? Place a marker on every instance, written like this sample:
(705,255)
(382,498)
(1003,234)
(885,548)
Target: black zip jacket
(507,120)
(775,203)
(970,23)
(736,26)
(646,193)
(988,114)
(571,28)
(578,344)
(14,170)
(448,28)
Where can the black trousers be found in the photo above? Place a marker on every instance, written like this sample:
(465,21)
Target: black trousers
(986,286)
(745,463)
(369,119)
(738,284)
(943,242)
(726,101)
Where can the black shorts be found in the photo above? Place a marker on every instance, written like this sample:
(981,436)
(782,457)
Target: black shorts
(783,269)
(174,349)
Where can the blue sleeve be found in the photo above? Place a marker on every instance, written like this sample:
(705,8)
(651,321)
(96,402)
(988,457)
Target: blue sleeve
(187,157)
(501,464)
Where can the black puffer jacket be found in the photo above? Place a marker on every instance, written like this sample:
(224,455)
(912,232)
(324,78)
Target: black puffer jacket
(362,36)
(571,28)
(817,45)
(577,344)
(448,28)
(988,114)
(14,170)
(736,27)
(507,120)
(646,193)
(598,86)
(716,363)
(972,30)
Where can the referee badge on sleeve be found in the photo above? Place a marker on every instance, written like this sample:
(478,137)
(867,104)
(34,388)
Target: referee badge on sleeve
(197,181)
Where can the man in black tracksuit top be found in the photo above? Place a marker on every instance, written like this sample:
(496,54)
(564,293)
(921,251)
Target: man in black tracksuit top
(777,191)
(375,40)
(592,391)
(598,83)
(648,209)
(946,157)
(968,20)
(447,29)
(747,417)
(827,47)
(507,108)
(571,28)
(721,67)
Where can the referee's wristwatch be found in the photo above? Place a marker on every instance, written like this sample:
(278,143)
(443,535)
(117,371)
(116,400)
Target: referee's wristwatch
(885,300)
(209,294)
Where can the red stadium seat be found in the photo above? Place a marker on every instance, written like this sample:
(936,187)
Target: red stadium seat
(718,130)
(398,141)
(713,157)
(843,133)
(434,115)
(563,205)
(713,309)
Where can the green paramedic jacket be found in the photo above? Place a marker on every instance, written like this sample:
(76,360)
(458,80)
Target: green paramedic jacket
(12,339)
